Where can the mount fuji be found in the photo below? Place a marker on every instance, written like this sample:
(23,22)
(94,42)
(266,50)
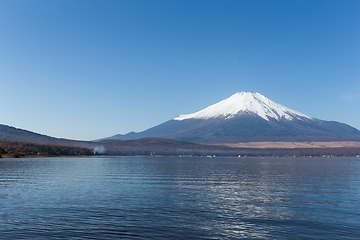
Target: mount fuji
(246,117)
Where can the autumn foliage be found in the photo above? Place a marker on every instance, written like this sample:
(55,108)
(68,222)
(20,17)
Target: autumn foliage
(19,149)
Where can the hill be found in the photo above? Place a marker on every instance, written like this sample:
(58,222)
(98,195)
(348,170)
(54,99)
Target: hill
(8,133)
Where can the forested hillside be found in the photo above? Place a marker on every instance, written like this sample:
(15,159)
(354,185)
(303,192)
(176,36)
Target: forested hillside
(18,149)
(9,133)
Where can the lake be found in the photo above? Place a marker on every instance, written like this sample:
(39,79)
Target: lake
(179,198)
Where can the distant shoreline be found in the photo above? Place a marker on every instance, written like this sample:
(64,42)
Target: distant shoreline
(292,145)
(180,156)
(43,156)
(166,147)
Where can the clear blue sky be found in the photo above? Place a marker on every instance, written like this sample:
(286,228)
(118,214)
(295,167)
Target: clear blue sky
(92,69)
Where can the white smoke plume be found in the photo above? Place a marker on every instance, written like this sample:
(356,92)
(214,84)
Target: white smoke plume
(99,150)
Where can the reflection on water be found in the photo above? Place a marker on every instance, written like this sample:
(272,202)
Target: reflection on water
(172,197)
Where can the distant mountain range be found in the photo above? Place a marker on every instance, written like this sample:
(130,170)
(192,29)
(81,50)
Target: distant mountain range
(246,117)
(147,146)
(243,117)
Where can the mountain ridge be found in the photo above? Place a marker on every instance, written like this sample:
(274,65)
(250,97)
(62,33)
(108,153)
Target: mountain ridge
(245,117)
(9,133)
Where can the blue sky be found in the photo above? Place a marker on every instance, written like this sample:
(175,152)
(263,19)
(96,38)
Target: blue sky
(92,69)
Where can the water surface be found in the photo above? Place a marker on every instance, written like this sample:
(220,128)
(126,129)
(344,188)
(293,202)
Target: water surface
(180,198)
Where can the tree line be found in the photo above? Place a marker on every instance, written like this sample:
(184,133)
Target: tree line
(20,149)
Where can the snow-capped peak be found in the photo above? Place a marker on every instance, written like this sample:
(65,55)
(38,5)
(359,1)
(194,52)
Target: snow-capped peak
(245,102)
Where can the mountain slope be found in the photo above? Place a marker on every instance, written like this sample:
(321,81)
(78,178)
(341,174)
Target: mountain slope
(245,102)
(247,117)
(8,133)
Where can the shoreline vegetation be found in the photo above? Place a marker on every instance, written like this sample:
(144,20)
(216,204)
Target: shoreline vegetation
(14,149)
(168,147)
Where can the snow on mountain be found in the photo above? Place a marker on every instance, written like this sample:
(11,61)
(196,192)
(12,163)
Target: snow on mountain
(246,117)
(245,102)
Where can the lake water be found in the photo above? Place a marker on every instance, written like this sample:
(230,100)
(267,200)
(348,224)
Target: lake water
(179,198)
